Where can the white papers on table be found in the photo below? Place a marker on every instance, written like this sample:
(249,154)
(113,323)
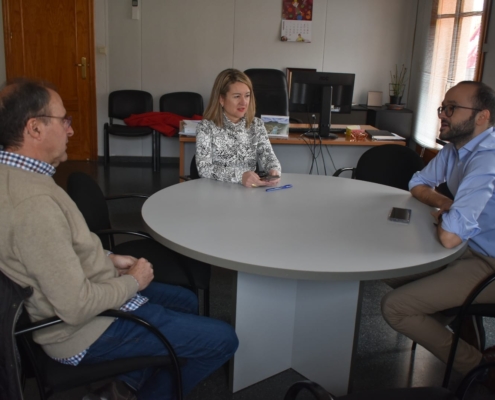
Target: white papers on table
(395,137)
(188,127)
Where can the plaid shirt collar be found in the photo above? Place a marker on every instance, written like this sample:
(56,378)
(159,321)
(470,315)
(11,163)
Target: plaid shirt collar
(26,163)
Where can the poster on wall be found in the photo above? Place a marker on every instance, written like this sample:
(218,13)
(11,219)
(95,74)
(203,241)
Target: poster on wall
(297,16)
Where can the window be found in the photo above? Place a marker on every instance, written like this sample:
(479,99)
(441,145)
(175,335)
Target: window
(453,54)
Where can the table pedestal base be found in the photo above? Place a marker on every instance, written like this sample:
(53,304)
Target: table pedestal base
(300,324)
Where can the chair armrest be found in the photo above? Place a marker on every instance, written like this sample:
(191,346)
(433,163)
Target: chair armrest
(107,232)
(462,312)
(127,196)
(117,314)
(318,392)
(340,170)
(475,292)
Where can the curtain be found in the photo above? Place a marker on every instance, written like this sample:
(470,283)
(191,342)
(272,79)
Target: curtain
(447,43)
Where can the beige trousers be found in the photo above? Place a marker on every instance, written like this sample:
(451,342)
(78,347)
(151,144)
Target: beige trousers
(413,308)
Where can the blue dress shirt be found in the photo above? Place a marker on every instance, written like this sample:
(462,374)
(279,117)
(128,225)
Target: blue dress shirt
(470,176)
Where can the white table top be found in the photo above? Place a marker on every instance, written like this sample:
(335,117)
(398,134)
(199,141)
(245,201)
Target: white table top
(323,228)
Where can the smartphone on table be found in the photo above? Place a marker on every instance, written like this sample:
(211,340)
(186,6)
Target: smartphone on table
(269,178)
(400,215)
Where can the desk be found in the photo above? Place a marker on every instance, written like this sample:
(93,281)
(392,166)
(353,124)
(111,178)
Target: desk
(300,254)
(293,152)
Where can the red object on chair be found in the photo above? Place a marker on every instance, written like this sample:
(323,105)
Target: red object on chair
(166,123)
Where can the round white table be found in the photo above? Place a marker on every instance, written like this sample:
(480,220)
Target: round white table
(300,254)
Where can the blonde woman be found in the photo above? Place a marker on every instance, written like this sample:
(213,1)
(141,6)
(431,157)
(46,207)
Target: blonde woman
(230,140)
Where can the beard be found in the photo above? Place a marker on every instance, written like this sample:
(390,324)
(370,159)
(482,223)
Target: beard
(460,132)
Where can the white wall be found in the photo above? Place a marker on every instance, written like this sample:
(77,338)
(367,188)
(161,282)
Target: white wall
(183,45)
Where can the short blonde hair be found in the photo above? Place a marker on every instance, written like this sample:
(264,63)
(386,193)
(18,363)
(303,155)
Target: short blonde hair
(220,88)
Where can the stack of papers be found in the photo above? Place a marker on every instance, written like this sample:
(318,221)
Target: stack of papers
(382,135)
(277,126)
(188,127)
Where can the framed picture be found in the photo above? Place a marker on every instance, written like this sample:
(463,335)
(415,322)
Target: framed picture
(289,72)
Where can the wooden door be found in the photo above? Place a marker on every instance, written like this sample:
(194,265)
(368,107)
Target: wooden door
(48,40)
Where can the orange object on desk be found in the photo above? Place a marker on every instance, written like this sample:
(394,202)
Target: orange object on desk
(356,135)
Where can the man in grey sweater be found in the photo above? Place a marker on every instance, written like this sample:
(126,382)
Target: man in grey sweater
(46,244)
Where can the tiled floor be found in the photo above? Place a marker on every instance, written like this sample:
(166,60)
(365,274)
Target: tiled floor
(383,358)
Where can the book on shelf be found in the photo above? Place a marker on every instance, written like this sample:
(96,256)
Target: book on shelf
(277,126)
(188,127)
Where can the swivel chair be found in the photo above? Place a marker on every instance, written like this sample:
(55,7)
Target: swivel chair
(270,91)
(52,376)
(121,104)
(169,266)
(388,164)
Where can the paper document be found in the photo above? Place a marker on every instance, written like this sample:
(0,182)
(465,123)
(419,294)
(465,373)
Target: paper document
(393,137)
(188,127)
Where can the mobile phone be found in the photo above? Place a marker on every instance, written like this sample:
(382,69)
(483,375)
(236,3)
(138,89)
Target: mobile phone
(400,215)
(269,178)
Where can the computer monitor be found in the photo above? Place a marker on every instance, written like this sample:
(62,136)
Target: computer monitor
(321,93)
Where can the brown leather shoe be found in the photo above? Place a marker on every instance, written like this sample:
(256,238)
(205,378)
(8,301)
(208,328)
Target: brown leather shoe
(115,390)
(473,332)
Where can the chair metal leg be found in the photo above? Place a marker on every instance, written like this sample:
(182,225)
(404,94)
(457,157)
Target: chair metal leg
(158,149)
(106,145)
(153,150)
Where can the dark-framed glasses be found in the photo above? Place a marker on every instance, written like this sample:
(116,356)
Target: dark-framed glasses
(449,110)
(67,120)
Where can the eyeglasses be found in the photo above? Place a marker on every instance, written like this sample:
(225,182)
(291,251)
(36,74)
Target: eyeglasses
(449,110)
(67,120)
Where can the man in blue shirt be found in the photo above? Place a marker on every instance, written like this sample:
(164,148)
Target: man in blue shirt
(467,166)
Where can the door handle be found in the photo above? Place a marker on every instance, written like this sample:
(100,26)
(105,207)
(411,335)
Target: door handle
(83,66)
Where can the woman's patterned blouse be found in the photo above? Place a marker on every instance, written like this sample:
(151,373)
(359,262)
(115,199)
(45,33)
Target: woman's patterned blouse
(226,153)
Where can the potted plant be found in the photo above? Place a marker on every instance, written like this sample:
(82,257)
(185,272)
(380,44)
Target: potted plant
(397,84)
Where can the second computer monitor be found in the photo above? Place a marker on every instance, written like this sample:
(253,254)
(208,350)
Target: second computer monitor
(321,93)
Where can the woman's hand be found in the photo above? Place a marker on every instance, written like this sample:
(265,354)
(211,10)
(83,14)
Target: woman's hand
(273,182)
(251,179)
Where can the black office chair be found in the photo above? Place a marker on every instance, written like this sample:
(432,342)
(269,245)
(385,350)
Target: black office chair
(17,363)
(413,393)
(121,104)
(270,91)
(459,313)
(388,164)
(168,266)
(185,104)
(193,171)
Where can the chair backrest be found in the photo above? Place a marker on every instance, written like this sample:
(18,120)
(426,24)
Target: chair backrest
(123,103)
(185,104)
(193,169)
(270,91)
(89,198)
(390,165)
(11,304)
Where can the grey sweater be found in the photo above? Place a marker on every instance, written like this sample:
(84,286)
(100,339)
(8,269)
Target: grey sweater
(46,244)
